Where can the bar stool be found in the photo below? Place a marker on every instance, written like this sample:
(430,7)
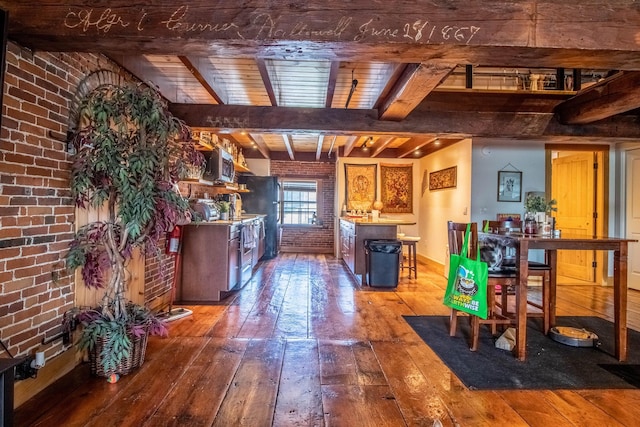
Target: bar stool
(412,260)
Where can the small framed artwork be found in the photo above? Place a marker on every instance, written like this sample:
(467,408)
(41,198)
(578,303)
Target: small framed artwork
(444,178)
(509,186)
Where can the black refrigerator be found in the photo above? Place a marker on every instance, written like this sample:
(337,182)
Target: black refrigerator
(262,198)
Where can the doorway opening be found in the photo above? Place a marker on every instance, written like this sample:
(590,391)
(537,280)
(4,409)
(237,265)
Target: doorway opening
(632,221)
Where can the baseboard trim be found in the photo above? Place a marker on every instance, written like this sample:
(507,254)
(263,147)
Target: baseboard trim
(434,265)
(55,368)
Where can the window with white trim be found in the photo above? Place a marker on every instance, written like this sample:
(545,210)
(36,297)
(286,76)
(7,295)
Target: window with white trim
(300,201)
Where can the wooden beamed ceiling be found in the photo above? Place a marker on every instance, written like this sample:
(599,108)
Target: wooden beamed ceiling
(325,75)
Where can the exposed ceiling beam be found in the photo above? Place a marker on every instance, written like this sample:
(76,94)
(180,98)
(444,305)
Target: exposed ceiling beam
(491,31)
(264,73)
(331,84)
(349,145)
(359,121)
(410,146)
(288,143)
(393,76)
(319,146)
(381,144)
(333,142)
(261,145)
(415,83)
(542,101)
(206,84)
(617,94)
(255,141)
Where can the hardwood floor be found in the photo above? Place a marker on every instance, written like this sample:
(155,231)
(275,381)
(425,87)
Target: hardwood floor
(304,345)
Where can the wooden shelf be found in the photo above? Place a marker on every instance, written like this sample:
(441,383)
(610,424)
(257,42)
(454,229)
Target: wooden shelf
(240,168)
(198,181)
(225,188)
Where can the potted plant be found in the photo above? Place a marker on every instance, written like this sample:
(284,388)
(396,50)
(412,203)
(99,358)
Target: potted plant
(223,206)
(535,203)
(127,158)
(537,210)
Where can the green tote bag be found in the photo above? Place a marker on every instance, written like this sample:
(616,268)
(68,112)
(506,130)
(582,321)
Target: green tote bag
(467,285)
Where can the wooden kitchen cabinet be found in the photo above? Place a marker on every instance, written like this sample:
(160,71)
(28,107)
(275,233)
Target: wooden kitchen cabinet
(210,262)
(353,233)
(347,244)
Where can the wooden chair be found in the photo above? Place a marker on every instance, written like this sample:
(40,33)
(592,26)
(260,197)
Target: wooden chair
(536,269)
(456,233)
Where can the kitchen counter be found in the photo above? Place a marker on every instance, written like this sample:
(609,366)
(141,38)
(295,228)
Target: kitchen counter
(354,232)
(219,257)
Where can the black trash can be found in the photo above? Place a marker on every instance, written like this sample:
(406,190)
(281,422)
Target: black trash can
(383,262)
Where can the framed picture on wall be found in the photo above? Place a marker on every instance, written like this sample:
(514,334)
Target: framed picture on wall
(509,186)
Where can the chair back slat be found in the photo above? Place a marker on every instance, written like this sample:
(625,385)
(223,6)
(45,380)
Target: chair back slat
(456,231)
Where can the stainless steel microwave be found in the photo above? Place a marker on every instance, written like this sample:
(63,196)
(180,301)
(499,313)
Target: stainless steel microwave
(219,166)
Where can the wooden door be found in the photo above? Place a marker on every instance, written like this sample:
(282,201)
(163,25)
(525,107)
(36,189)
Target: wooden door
(633,217)
(573,186)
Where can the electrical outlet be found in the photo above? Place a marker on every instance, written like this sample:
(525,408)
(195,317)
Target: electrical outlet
(24,370)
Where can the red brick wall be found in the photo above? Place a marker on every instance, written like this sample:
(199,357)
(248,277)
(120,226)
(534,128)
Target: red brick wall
(36,212)
(305,238)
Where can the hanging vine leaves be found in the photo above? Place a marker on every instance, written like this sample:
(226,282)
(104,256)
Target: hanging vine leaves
(129,151)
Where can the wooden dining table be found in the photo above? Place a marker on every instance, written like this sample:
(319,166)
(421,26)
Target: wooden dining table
(551,245)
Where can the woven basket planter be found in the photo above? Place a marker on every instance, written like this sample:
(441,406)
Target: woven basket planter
(126,365)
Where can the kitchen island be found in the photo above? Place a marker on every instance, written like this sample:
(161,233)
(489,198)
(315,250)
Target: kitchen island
(353,233)
(219,257)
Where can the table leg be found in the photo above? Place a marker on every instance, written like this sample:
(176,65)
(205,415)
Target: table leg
(522,255)
(620,300)
(552,259)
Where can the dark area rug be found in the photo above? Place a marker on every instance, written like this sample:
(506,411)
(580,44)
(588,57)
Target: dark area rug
(549,364)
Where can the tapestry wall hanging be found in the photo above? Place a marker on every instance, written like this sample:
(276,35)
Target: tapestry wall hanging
(397,188)
(361,186)
(445,178)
